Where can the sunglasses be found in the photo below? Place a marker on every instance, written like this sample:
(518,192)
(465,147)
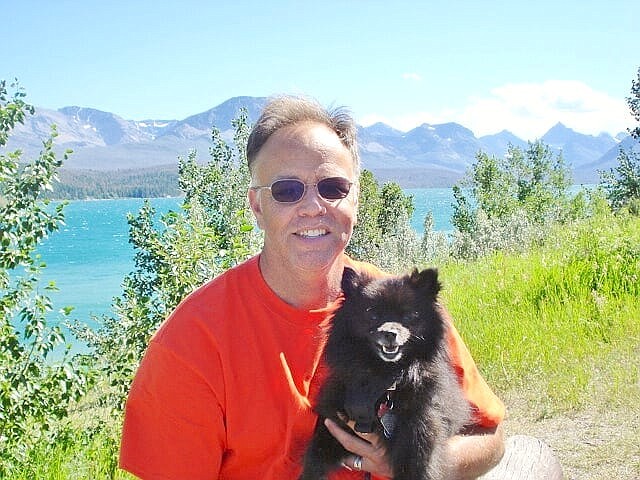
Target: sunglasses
(291,190)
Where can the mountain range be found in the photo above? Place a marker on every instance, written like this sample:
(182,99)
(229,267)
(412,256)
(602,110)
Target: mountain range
(428,155)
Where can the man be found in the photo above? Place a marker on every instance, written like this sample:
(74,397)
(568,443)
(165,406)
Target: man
(226,387)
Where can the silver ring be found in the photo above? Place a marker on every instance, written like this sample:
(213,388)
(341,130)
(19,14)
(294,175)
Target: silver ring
(357,463)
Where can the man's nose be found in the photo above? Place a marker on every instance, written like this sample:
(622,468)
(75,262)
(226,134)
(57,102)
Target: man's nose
(312,203)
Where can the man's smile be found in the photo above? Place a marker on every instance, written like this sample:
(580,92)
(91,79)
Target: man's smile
(312,233)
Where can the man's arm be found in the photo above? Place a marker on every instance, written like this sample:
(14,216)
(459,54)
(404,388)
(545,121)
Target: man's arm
(173,425)
(475,453)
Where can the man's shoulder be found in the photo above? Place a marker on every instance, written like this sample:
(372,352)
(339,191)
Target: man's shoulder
(246,272)
(211,302)
(366,268)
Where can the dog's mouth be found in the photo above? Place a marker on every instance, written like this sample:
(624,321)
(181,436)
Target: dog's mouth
(389,353)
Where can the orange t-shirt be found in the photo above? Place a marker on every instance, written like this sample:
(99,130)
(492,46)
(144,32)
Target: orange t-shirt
(223,390)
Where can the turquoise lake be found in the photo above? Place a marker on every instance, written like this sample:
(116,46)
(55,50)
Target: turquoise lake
(90,255)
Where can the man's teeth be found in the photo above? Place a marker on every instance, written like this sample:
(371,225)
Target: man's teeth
(313,233)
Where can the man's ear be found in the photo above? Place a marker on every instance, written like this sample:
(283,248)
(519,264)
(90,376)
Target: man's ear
(254,202)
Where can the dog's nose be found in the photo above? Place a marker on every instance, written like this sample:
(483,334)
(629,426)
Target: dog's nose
(386,338)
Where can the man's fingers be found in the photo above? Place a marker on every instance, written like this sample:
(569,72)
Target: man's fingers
(349,441)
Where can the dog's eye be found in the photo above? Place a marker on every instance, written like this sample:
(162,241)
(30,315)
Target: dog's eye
(411,316)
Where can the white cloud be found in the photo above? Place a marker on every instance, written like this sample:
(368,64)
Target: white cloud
(529,110)
(411,76)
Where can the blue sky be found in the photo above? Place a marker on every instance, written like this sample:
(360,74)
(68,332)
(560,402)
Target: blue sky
(492,65)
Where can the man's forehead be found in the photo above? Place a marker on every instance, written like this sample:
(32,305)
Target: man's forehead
(315,138)
(303,132)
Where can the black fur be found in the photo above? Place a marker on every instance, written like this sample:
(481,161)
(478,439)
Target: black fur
(428,404)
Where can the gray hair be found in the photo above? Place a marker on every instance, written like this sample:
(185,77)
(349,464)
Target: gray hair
(287,110)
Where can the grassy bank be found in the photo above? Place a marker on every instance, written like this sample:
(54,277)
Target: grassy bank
(556,314)
(555,331)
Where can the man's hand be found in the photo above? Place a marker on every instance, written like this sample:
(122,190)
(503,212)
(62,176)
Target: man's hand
(368,447)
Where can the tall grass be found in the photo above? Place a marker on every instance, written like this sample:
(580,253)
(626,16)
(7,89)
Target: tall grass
(563,316)
(78,455)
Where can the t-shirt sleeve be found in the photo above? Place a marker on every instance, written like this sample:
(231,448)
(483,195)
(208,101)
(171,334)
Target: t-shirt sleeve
(174,424)
(487,409)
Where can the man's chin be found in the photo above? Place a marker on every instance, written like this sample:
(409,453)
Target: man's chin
(315,261)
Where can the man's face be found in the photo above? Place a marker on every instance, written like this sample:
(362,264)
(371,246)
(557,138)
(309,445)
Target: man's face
(311,233)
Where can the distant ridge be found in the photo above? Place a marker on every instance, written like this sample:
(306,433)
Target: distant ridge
(428,155)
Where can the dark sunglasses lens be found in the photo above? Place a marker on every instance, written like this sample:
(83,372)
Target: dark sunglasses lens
(334,188)
(287,191)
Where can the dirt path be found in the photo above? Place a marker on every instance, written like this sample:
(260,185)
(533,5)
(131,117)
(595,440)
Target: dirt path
(591,445)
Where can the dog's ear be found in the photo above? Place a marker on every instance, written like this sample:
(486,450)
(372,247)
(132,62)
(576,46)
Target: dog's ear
(350,281)
(426,280)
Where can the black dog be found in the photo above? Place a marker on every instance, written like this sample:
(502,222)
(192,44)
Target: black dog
(389,371)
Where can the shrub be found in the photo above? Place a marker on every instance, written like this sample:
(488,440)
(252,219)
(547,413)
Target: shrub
(383,232)
(505,203)
(622,183)
(39,381)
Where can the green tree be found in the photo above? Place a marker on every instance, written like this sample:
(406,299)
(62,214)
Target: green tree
(434,245)
(532,181)
(383,233)
(634,105)
(396,208)
(138,183)
(366,239)
(36,390)
(175,254)
(493,183)
(622,183)
(463,217)
(503,200)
